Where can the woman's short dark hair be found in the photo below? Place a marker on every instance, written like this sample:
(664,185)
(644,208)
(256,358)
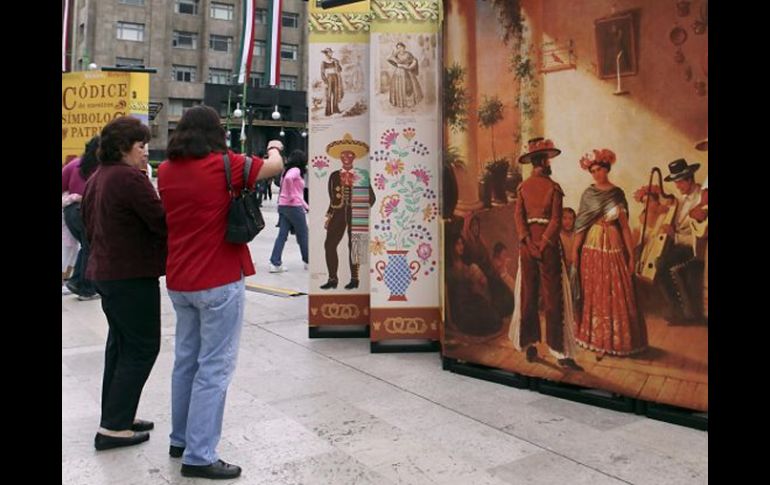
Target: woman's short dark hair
(297,158)
(401,44)
(198,133)
(118,137)
(89,161)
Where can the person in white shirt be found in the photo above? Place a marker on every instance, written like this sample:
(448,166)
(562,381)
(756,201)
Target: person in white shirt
(674,265)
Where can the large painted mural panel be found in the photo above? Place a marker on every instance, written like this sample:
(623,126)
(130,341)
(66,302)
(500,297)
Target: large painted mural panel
(576,193)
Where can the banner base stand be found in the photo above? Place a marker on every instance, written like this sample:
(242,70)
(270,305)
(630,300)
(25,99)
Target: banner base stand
(675,415)
(596,397)
(487,373)
(339,331)
(392,346)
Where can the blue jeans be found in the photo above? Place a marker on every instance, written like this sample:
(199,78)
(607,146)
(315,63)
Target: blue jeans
(74,222)
(208,331)
(290,216)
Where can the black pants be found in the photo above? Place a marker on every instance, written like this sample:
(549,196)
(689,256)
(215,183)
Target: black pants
(679,274)
(339,222)
(74,222)
(132,308)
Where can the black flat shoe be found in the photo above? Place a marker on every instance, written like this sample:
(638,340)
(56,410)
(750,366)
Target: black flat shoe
(569,364)
(329,285)
(353,284)
(175,451)
(142,425)
(104,442)
(219,470)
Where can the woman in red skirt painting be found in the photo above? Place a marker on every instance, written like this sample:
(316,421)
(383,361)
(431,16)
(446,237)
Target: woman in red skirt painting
(609,322)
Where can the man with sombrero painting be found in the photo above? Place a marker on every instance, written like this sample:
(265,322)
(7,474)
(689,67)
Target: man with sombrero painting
(674,262)
(339,216)
(537,217)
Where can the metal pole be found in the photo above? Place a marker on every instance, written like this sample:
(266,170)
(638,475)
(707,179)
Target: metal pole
(245,110)
(227,123)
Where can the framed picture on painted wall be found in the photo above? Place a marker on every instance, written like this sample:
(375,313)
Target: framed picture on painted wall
(616,46)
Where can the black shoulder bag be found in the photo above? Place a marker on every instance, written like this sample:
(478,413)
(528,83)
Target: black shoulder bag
(244,219)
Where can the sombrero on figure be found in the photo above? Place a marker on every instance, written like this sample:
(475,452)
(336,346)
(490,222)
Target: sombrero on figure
(539,146)
(347,143)
(679,169)
(327,50)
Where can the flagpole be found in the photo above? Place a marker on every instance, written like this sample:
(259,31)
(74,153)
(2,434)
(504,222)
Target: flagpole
(243,123)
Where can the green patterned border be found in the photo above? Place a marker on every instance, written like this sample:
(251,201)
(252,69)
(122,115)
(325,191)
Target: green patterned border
(408,10)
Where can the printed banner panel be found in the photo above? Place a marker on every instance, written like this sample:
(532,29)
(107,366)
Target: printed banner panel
(406,148)
(575,196)
(339,181)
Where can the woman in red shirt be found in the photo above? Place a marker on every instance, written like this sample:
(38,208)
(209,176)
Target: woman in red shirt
(205,281)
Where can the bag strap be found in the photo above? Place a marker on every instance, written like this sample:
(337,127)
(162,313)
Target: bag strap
(227,174)
(246,172)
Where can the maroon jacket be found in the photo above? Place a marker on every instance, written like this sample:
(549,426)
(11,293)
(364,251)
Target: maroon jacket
(125,225)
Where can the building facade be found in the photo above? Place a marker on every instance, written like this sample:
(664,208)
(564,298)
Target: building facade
(194,46)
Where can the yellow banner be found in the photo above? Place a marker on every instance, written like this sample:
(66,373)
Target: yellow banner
(91,99)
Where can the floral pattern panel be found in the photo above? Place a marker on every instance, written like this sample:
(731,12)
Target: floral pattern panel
(404,248)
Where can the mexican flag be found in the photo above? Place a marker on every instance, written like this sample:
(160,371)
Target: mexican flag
(247,41)
(273,54)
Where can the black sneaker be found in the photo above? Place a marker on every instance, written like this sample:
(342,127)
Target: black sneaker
(175,451)
(219,470)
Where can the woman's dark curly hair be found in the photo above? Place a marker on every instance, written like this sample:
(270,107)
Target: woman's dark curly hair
(88,160)
(297,158)
(198,133)
(118,137)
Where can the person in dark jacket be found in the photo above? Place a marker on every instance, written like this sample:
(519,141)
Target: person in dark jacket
(126,230)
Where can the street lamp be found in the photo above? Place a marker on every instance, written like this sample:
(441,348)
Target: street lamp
(93,66)
(276,114)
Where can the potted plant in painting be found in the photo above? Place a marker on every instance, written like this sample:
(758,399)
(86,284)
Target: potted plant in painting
(490,114)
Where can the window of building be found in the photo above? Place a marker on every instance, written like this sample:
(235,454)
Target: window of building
(189,7)
(220,43)
(128,62)
(185,40)
(177,107)
(221,11)
(290,52)
(289,82)
(219,76)
(137,3)
(131,31)
(257,79)
(260,16)
(290,20)
(183,73)
(260,48)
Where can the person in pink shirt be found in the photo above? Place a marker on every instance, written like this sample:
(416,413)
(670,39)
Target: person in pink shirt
(291,210)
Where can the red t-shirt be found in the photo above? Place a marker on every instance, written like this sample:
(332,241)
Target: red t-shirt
(194,195)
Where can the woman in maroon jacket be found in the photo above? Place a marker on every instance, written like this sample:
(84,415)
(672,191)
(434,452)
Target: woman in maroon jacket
(126,229)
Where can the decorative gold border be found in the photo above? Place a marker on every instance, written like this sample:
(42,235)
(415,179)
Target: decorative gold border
(339,23)
(338,310)
(414,10)
(396,323)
